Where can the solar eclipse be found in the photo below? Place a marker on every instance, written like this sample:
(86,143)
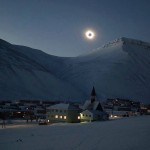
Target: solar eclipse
(89,34)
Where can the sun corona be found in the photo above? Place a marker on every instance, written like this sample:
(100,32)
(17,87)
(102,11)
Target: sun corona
(89,34)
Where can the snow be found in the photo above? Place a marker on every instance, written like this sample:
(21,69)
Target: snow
(59,106)
(88,103)
(121,134)
(30,74)
(120,69)
(62,106)
(129,41)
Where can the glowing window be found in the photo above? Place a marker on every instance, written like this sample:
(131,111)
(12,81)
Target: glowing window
(65,117)
(56,116)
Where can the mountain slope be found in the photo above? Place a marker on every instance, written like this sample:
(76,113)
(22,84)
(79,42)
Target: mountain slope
(24,75)
(118,69)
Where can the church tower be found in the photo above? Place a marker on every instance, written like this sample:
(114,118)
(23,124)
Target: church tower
(93,99)
(93,95)
(93,103)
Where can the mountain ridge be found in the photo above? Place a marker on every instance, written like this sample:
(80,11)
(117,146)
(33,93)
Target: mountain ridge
(125,40)
(118,70)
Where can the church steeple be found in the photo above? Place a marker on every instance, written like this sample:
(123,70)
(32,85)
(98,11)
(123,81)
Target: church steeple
(93,95)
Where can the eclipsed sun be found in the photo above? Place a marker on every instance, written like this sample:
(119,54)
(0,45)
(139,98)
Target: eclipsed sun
(90,34)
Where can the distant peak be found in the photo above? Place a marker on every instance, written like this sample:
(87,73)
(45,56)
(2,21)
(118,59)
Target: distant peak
(124,40)
(134,41)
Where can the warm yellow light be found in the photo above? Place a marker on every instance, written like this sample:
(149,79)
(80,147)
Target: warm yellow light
(81,116)
(60,117)
(65,117)
(56,116)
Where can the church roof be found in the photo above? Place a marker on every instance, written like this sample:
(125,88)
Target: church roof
(96,112)
(96,105)
(93,93)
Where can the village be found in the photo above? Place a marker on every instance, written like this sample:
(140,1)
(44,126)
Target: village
(48,112)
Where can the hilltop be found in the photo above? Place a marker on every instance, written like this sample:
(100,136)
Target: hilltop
(118,69)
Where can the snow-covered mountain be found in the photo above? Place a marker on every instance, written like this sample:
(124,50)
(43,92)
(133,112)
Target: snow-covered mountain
(26,73)
(119,69)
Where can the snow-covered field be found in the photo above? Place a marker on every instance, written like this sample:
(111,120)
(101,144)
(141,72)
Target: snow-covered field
(122,134)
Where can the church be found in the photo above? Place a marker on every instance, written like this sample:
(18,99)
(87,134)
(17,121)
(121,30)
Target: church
(93,110)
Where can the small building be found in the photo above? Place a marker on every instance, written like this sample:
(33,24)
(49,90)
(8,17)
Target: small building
(63,113)
(122,107)
(93,110)
(93,115)
(39,113)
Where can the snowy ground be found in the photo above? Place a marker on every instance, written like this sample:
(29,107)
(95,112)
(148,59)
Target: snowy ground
(131,133)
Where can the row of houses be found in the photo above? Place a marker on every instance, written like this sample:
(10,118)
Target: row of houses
(123,107)
(57,111)
(25,109)
(91,111)
(54,111)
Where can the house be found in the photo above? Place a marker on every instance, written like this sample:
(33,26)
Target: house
(93,115)
(93,110)
(122,107)
(63,113)
(39,113)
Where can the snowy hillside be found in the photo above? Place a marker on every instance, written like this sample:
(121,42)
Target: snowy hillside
(118,69)
(122,134)
(30,74)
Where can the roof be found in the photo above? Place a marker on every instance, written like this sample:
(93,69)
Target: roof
(92,106)
(95,112)
(64,106)
(93,93)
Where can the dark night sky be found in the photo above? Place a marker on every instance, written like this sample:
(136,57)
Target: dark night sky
(56,26)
